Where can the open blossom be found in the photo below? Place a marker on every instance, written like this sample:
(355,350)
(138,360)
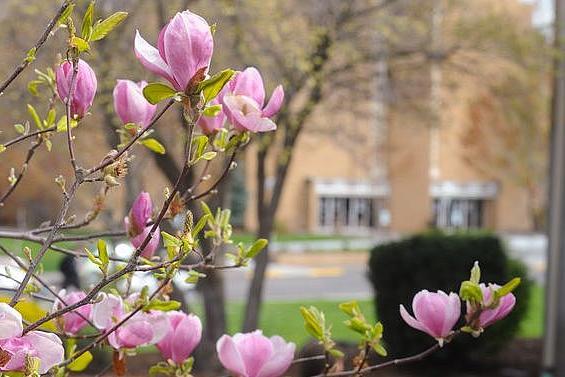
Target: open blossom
(182,338)
(138,225)
(77,319)
(185,47)
(435,313)
(244,102)
(15,348)
(490,316)
(130,104)
(139,330)
(85,86)
(255,355)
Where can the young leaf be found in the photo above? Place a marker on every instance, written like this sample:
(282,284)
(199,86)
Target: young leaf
(81,44)
(34,116)
(66,13)
(163,306)
(156,92)
(154,145)
(30,56)
(81,362)
(103,252)
(256,248)
(208,156)
(86,28)
(470,291)
(200,225)
(103,28)
(19,128)
(62,124)
(475,273)
(211,87)
(212,111)
(507,288)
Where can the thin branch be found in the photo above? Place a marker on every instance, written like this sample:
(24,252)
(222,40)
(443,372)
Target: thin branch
(27,136)
(50,26)
(114,158)
(29,156)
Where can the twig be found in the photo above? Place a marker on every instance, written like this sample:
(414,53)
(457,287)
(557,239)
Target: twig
(68,103)
(27,136)
(29,156)
(50,26)
(111,160)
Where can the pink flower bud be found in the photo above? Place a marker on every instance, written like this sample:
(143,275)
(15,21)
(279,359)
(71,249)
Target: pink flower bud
(245,99)
(139,214)
(185,46)
(209,125)
(436,313)
(77,319)
(45,346)
(140,330)
(85,86)
(182,338)
(130,104)
(151,246)
(254,355)
(490,316)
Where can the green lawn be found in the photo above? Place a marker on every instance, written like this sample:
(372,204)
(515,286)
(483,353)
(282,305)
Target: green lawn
(50,260)
(284,318)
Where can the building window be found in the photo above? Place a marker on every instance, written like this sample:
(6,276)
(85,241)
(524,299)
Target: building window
(349,214)
(458,213)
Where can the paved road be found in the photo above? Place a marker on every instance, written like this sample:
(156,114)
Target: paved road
(342,275)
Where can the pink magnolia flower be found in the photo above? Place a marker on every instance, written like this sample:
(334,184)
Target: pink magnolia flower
(254,355)
(182,338)
(245,99)
(436,313)
(130,104)
(15,348)
(138,225)
(185,46)
(85,86)
(77,319)
(208,124)
(490,316)
(139,330)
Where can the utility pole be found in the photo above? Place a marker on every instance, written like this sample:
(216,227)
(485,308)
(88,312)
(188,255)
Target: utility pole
(553,362)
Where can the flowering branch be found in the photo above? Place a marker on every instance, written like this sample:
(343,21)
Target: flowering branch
(33,51)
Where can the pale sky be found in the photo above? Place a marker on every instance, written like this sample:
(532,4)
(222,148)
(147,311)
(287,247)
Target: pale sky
(543,16)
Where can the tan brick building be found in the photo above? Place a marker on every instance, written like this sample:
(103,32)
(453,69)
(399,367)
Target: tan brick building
(410,171)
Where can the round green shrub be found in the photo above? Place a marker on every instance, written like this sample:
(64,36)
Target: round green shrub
(436,261)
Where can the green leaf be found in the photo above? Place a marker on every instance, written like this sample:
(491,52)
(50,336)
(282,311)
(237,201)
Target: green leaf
(87,20)
(62,124)
(256,248)
(154,145)
(194,276)
(2,148)
(81,44)
(163,306)
(51,115)
(200,225)
(103,252)
(206,210)
(19,128)
(156,92)
(212,111)
(208,156)
(32,87)
(221,139)
(379,349)
(66,13)
(103,28)
(211,87)
(470,291)
(81,362)
(30,56)
(170,240)
(351,308)
(34,116)
(92,257)
(507,288)
(312,322)
(475,273)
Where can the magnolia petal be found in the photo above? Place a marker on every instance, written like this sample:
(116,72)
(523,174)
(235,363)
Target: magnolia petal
(150,58)
(10,322)
(48,348)
(275,103)
(229,356)
(283,354)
